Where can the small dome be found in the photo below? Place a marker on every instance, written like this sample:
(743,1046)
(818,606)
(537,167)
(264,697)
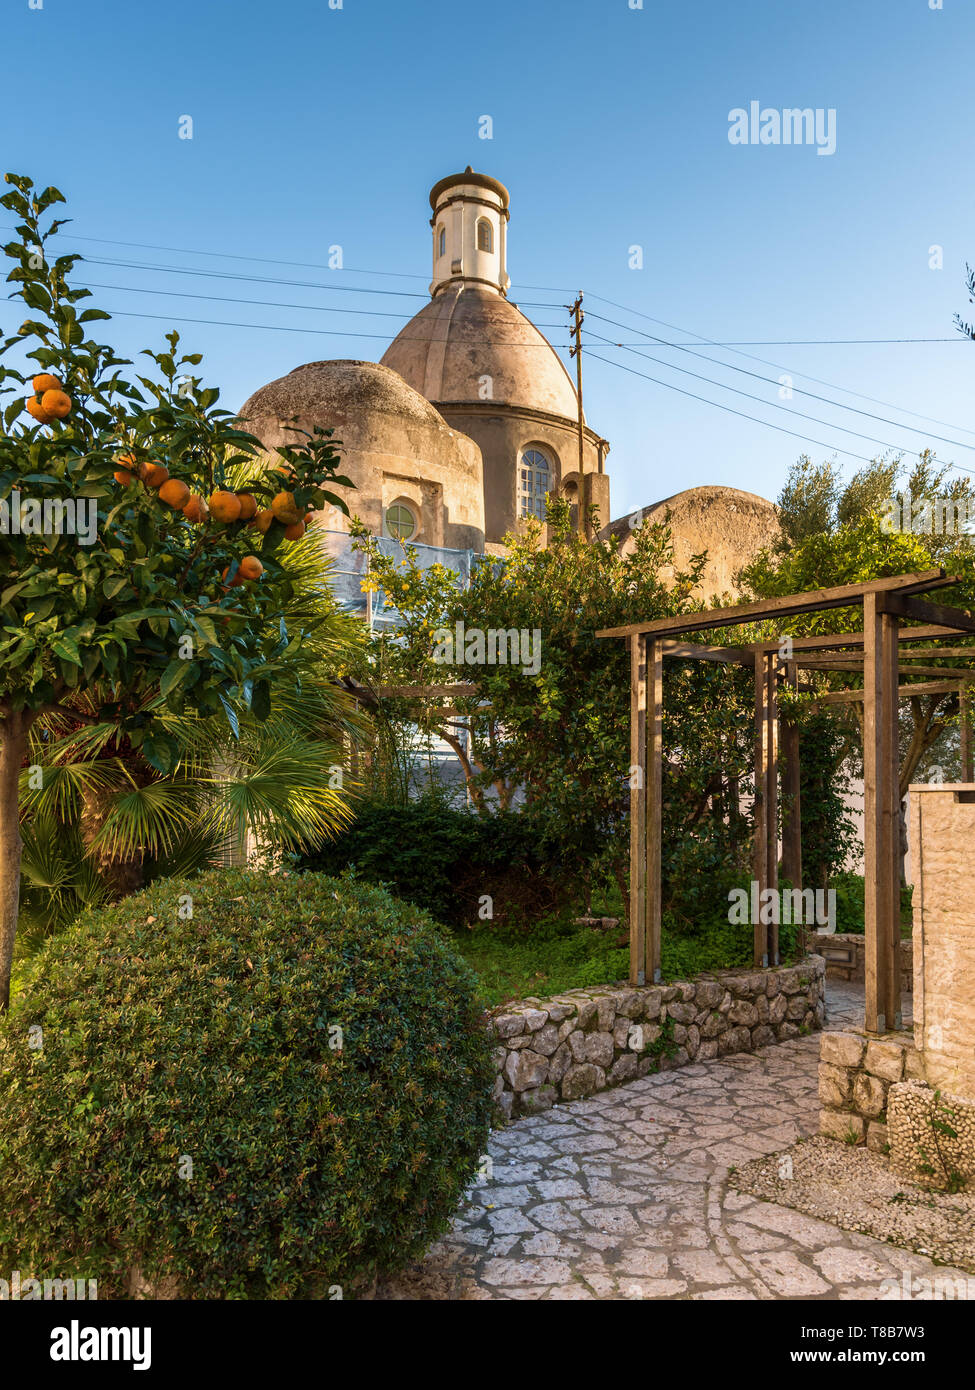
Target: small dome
(331,393)
(731,525)
(466,335)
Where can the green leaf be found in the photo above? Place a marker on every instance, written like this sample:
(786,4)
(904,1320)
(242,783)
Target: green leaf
(67,649)
(261,700)
(160,751)
(174,673)
(230,713)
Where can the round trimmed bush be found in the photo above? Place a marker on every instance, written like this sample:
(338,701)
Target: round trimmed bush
(285,1091)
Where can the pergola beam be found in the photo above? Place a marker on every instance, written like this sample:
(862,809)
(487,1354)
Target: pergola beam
(851,639)
(904,692)
(827,665)
(788,605)
(904,605)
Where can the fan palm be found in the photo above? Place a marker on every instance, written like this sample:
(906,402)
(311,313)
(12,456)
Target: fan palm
(100,821)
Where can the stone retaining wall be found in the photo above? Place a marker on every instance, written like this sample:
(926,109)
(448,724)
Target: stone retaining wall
(873,1090)
(855,1074)
(586,1040)
(856,943)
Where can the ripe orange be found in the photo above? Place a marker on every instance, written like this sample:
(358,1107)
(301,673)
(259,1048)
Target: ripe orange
(225,506)
(56,403)
(295,532)
(174,493)
(284,508)
(36,409)
(250,568)
(123,476)
(263,521)
(196,508)
(155,474)
(45,382)
(248,506)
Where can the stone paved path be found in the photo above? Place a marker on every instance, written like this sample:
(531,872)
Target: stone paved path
(624,1195)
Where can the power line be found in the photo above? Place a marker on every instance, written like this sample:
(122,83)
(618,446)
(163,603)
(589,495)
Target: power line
(270,260)
(731,411)
(754,418)
(407,294)
(253,279)
(318,332)
(277,304)
(711,342)
(844,429)
(744,371)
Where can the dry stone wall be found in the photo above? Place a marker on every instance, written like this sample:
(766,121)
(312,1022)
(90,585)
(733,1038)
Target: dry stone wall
(585,1040)
(856,1073)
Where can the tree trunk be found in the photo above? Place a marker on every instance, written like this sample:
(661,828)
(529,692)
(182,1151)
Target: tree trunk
(13,750)
(120,876)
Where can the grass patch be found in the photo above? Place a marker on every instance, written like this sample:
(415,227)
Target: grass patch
(555,954)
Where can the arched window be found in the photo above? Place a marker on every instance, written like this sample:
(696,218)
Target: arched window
(442,243)
(533,483)
(400,522)
(485,235)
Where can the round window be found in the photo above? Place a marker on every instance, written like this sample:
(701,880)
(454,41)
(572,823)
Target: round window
(400,522)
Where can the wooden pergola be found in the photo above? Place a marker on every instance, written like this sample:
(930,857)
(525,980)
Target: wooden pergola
(874,651)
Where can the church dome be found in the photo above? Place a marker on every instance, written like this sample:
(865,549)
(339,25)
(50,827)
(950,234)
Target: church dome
(471,344)
(402,457)
(330,394)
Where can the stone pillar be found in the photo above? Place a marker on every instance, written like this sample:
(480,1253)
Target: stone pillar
(943,862)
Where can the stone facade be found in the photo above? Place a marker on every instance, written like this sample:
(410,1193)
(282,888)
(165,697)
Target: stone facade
(856,1072)
(837,949)
(872,1090)
(942,838)
(586,1040)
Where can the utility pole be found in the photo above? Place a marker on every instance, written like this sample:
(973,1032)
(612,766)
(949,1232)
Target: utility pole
(576,351)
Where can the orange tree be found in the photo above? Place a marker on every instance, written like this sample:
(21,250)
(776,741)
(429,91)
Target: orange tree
(127,564)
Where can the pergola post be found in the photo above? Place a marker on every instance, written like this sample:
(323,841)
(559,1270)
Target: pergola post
(881,817)
(654,806)
(772,796)
(638,808)
(765,846)
(792,808)
(965,729)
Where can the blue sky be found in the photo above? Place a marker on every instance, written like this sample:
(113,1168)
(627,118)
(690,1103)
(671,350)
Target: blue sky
(314,127)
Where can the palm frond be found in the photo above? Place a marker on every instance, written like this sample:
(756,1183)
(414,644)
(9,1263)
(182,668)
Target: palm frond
(147,820)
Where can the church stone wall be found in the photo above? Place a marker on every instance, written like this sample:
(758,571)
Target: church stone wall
(501,433)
